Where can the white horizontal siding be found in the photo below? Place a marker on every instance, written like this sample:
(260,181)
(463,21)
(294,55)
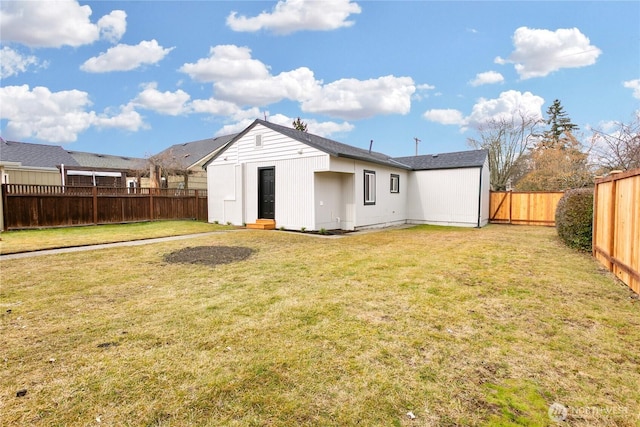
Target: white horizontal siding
(275,146)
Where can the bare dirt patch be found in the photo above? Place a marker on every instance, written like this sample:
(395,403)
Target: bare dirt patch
(209,255)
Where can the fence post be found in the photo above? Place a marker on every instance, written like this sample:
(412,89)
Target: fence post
(3,204)
(197,213)
(613,220)
(595,225)
(94,192)
(151,190)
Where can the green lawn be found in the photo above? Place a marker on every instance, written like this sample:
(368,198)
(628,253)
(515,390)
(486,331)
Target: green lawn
(461,327)
(31,240)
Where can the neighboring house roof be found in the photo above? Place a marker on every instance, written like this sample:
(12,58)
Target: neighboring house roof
(460,159)
(188,154)
(106,161)
(35,155)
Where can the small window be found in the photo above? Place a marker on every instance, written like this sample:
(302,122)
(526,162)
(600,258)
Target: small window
(395,183)
(369,187)
(258,140)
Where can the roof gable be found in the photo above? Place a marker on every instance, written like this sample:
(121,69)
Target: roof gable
(329,146)
(188,154)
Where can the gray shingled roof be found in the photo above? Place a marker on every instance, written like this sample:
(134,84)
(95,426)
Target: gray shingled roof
(460,159)
(190,153)
(35,155)
(332,147)
(106,161)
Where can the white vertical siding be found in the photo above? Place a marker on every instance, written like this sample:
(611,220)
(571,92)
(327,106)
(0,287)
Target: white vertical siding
(314,190)
(389,208)
(445,196)
(224,194)
(485,192)
(330,208)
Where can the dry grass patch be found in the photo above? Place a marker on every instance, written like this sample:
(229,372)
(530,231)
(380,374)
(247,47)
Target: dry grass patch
(461,327)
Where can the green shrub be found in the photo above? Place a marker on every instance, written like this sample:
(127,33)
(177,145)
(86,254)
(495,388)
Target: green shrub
(574,218)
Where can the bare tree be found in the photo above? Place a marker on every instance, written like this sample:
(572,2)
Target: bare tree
(507,140)
(166,164)
(558,167)
(618,149)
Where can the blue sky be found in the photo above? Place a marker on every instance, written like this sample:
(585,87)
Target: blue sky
(132,78)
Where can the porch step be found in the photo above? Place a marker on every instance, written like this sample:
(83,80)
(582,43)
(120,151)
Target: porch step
(263,224)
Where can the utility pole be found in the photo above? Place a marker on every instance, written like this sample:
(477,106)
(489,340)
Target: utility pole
(417,140)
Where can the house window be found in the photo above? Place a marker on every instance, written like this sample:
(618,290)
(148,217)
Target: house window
(258,141)
(395,183)
(369,187)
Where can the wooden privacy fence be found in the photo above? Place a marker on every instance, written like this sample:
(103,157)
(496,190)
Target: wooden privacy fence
(524,207)
(616,225)
(34,206)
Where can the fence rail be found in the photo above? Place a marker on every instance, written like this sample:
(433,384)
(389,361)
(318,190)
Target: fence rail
(524,208)
(616,225)
(37,206)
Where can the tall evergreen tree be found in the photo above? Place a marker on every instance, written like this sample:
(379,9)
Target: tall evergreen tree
(299,125)
(560,124)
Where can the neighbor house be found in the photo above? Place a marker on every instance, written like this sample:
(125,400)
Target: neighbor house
(306,182)
(41,164)
(180,166)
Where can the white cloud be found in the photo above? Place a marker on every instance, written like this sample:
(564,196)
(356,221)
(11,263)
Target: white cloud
(296,85)
(169,103)
(325,129)
(217,107)
(635,85)
(13,62)
(488,77)
(289,16)
(540,52)
(113,26)
(444,116)
(226,62)
(243,80)
(56,23)
(507,105)
(56,116)
(127,118)
(357,99)
(422,91)
(126,57)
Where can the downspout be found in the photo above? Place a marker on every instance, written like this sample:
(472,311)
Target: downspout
(62,173)
(480,198)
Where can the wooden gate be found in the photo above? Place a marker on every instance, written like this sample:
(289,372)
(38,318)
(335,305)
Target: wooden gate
(524,207)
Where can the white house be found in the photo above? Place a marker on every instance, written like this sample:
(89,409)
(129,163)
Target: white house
(304,181)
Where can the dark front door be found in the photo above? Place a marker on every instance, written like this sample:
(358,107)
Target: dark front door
(267,193)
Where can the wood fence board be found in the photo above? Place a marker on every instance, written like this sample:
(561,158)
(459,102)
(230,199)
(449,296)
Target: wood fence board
(34,206)
(616,237)
(524,208)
